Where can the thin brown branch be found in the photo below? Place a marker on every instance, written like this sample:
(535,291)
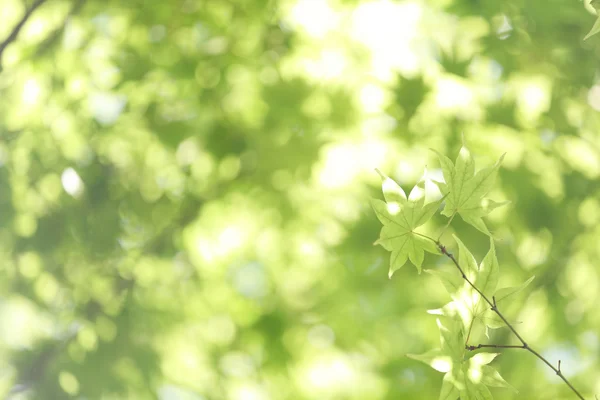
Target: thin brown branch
(495,346)
(494,308)
(15,32)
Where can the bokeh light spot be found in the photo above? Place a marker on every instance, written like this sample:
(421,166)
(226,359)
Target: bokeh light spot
(71,182)
(68,382)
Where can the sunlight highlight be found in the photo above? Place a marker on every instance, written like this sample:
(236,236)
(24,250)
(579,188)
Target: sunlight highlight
(330,374)
(453,94)
(330,65)
(71,182)
(31,92)
(393,208)
(230,239)
(249,392)
(533,94)
(373,98)
(442,364)
(388,30)
(315,16)
(342,163)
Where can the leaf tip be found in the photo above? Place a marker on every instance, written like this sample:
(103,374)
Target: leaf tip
(595,29)
(380,174)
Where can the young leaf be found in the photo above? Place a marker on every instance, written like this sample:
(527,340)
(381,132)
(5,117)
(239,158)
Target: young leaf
(475,391)
(449,391)
(465,259)
(595,29)
(480,359)
(487,278)
(490,318)
(451,355)
(392,192)
(449,310)
(473,388)
(450,279)
(465,189)
(451,352)
(452,339)
(435,358)
(460,307)
(503,293)
(467,303)
(467,378)
(491,377)
(492,321)
(400,217)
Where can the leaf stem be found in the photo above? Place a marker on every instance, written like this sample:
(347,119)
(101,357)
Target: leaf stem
(469,333)
(445,227)
(426,237)
(494,308)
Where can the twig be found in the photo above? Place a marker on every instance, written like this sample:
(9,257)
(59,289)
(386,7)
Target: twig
(495,346)
(15,32)
(494,308)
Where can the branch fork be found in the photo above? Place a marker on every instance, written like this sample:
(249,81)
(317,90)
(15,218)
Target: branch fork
(494,307)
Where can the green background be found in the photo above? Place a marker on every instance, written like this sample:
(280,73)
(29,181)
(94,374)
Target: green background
(184,193)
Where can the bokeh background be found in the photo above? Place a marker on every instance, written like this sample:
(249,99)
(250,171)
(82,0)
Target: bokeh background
(184,193)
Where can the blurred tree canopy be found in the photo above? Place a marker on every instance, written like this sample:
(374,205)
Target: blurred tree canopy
(184,192)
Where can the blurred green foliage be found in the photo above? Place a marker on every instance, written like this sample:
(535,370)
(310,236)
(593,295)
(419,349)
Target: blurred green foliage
(184,193)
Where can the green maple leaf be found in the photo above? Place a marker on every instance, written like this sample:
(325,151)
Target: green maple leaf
(503,293)
(467,377)
(449,391)
(450,355)
(472,390)
(477,376)
(400,217)
(486,278)
(490,318)
(468,303)
(465,189)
